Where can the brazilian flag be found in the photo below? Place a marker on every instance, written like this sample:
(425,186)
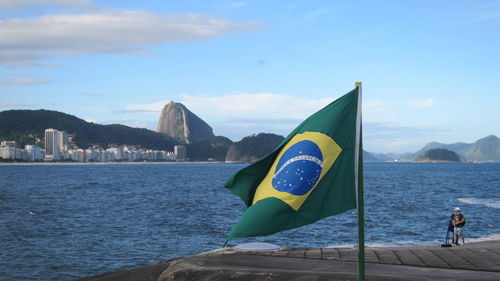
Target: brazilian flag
(309,176)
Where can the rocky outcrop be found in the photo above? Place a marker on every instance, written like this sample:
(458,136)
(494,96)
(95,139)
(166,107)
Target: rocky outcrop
(438,155)
(389,264)
(180,123)
(253,148)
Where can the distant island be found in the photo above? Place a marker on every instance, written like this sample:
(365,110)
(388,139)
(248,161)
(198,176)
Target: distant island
(438,155)
(21,131)
(486,149)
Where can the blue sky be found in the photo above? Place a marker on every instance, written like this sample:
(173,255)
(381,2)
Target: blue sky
(429,69)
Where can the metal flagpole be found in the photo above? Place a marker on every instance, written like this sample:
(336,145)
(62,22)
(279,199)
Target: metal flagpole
(358,162)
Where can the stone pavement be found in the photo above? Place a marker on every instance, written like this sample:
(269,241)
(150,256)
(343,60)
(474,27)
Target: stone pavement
(484,256)
(474,262)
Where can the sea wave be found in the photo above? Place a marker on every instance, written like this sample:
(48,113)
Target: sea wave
(483,238)
(488,202)
(405,243)
(395,243)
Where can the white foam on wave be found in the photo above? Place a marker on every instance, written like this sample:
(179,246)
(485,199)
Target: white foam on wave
(483,238)
(488,202)
(395,243)
(406,243)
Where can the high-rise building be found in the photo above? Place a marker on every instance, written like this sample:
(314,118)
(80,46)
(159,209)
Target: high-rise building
(56,142)
(180,152)
(32,153)
(62,140)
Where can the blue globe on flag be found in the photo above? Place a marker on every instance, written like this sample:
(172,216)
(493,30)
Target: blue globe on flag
(299,168)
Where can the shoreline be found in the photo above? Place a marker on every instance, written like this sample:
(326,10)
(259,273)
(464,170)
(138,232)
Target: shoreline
(109,163)
(473,262)
(201,162)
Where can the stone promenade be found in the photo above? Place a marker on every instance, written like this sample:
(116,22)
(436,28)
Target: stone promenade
(474,262)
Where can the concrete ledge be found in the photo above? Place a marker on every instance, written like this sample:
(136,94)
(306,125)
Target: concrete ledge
(474,262)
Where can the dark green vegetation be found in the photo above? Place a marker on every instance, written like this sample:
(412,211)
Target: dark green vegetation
(28,126)
(25,126)
(438,154)
(254,147)
(485,149)
(212,149)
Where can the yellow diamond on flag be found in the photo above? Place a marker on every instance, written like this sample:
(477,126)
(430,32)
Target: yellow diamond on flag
(298,168)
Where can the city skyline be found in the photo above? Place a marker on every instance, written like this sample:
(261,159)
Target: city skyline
(57,146)
(428,69)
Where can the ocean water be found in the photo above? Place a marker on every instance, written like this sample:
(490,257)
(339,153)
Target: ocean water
(60,222)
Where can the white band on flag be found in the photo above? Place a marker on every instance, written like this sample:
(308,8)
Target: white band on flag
(357,144)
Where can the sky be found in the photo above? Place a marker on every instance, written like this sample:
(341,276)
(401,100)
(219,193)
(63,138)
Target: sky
(430,69)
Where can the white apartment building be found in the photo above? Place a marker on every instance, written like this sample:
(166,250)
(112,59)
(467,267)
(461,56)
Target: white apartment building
(32,153)
(56,144)
(77,155)
(180,152)
(8,150)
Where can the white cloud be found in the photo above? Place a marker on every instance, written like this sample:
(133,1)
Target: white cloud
(262,106)
(396,145)
(376,105)
(241,4)
(15,104)
(22,81)
(242,114)
(317,13)
(490,15)
(379,111)
(24,41)
(146,107)
(259,105)
(394,137)
(18,4)
(422,104)
(92,95)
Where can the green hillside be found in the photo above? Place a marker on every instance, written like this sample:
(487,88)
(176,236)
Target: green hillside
(485,149)
(24,126)
(438,154)
(369,157)
(253,148)
(455,147)
(214,148)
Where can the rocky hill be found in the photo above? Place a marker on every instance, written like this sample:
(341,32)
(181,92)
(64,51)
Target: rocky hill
(212,149)
(455,147)
(179,123)
(485,149)
(368,157)
(253,148)
(25,126)
(438,155)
